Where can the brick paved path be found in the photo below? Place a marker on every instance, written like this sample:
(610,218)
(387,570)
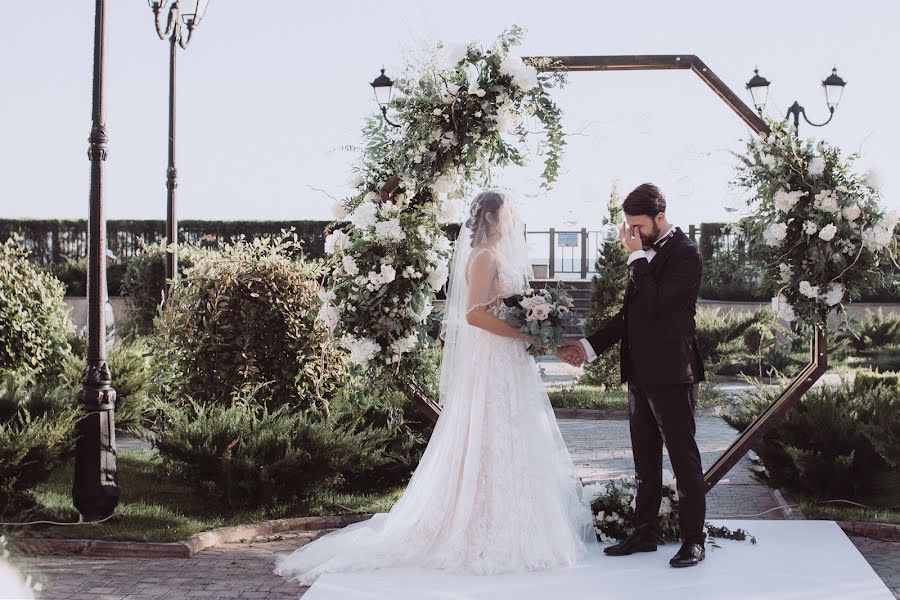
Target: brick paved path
(600,450)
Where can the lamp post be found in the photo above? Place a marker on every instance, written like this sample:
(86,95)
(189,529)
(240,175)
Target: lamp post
(95,491)
(383,86)
(833,86)
(175,33)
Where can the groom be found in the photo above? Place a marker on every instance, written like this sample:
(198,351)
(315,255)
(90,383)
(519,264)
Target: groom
(661,364)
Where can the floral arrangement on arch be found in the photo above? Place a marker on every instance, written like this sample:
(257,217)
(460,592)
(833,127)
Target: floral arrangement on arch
(463,110)
(823,228)
(613,503)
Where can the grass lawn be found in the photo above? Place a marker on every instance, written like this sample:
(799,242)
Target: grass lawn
(846,512)
(158,509)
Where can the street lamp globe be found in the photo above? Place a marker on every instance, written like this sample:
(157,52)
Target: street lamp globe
(834,89)
(196,11)
(383,86)
(759,90)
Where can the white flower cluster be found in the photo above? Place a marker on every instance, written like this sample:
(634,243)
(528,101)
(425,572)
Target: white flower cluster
(362,350)
(523,76)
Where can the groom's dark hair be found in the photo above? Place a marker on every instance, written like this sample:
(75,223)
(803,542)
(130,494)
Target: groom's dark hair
(645,199)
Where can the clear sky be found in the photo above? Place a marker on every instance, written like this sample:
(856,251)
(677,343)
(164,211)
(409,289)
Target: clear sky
(270,90)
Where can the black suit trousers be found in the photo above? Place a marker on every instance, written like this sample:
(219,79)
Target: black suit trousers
(664,414)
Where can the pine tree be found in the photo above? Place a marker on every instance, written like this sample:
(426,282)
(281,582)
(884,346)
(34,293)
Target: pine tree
(607,295)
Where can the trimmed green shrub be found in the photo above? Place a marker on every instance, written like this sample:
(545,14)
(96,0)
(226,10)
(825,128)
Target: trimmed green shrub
(34,327)
(73,274)
(144,282)
(246,317)
(837,442)
(866,380)
(129,364)
(607,296)
(255,456)
(37,433)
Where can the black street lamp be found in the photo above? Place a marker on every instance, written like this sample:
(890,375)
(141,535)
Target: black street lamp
(174,32)
(383,86)
(95,491)
(833,86)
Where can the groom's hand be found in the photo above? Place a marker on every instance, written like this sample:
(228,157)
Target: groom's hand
(630,238)
(572,353)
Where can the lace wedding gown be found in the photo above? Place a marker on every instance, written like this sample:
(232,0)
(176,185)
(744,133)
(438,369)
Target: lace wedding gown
(496,489)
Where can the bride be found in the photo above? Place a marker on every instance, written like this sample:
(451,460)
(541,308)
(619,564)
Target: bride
(496,490)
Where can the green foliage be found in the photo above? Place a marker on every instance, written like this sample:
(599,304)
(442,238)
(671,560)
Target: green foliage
(254,455)
(144,283)
(866,380)
(247,317)
(73,274)
(835,443)
(129,364)
(34,327)
(607,295)
(876,331)
(37,432)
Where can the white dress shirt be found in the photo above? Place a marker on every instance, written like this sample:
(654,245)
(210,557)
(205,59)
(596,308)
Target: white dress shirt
(649,253)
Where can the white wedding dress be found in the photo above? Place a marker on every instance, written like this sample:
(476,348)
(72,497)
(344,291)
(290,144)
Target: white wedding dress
(496,490)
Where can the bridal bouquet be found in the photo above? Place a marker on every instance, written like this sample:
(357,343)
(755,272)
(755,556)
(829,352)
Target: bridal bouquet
(543,315)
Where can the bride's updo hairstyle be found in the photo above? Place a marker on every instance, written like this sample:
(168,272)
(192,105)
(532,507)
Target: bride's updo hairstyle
(481,226)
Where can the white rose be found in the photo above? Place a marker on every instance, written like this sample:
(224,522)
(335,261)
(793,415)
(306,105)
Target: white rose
(362,350)
(827,201)
(834,295)
(508,118)
(827,233)
(785,201)
(810,228)
(782,309)
(786,272)
(387,274)
(336,241)
(809,290)
(329,315)
(350,267)
(390,230)
(325,295)
(816,167)
(524,76)
(474,90)
(851,213)
(775,233)
(365,215)
(438,277)
(768,160)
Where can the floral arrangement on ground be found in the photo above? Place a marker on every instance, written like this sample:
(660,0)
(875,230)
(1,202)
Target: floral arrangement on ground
(613,502)
(822,225)
(463,111)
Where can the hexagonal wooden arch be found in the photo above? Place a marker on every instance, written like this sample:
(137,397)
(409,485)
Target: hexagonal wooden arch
(819,355)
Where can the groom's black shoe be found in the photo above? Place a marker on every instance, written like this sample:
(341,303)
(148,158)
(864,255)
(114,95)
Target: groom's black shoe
(689,555)
(639,541)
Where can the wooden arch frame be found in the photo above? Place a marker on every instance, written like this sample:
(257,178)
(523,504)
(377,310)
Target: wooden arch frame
(819,355)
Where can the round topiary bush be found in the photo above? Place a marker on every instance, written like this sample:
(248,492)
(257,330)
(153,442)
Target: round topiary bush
(34,327)
(247,317)
(144,282)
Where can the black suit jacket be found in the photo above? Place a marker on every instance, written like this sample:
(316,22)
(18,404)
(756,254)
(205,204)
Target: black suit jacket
(656,324)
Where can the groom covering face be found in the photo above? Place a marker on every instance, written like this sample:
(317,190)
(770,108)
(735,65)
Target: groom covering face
(660,363)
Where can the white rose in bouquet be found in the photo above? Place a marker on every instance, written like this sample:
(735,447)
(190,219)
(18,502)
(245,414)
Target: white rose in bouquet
(389,231)
(851,213)
(329,315)
(524,76)
(438,277)
(834,295)
(350,267)
(785,201)
(816,167)
(362,350)
(782,309)
(775,233)
(827,233)
(365,215)
(810,228)
(809,290)
(336,241)
(827,201)
(539,312)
